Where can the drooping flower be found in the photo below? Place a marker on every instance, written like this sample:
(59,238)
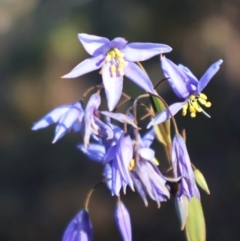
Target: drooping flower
(119,157)
(182,167)
(65,116)
(148,179)
(92,124)
(80,228)
(186,86)
(116,58)
(123,221)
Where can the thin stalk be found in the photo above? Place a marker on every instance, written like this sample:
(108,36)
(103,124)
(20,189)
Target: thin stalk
(136,137)
(99,87)
(91,192)
(167,107)
(155,87)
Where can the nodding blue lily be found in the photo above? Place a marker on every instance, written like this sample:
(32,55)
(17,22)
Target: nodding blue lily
(80,228)
(116,58)
(147,178)
(182,167)
(186,86)
(119,157)
(65,116)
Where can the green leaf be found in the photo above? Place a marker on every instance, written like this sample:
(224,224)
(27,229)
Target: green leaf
(163,130)
(195,224)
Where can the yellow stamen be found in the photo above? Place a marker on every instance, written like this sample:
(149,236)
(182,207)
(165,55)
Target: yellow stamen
(155,161)
(202,96)
(132,165)
(194,106)
(113,71)
(208,104)
(116,58)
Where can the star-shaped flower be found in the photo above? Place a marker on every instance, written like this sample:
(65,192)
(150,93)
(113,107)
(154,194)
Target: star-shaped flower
(186,86)
(116,58)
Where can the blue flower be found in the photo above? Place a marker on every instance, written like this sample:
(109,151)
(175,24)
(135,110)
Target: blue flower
(116,58)
(65,116)
(186,86)
(123,221)
(70,116)
(182,167)
(119,157)
(80,228)
(148,179)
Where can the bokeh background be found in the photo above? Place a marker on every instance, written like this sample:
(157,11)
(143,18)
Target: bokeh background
(42,186)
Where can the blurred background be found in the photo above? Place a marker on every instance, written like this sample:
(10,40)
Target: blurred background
(42,186)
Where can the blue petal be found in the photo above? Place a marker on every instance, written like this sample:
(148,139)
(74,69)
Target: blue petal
(164,115)
(111,153)
(147,153)
(107,173)
(212,70)
(94,45)
(139,77)
(118,43)
(51,117)
(86,66)
(113,87)
(66,121)
(177,78)
(148,138)
(135,52)
(120,117)
(192,78)
(123,221)
(95,152)
(140,188)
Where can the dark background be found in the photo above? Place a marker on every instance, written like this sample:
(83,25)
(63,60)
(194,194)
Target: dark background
(42,186)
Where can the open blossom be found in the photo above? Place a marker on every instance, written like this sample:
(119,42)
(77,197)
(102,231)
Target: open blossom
(186,86)
(116,58)
(65,116)
(80,228)
(182,167)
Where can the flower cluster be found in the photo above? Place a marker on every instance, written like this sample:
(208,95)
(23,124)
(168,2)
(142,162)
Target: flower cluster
(127,157)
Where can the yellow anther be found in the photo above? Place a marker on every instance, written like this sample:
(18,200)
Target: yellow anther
(132,165)
(193,114)
(184,110)
(208,104)
(112,53)
(108,58)
(202,101)
(192,97)
(192,109)
(113,70)
(155,161)
(196,106)
(202,96)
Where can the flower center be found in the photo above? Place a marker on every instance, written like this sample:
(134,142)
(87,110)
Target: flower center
(116,58)
(194,105)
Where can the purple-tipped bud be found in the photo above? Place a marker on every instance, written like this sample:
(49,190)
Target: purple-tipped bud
(123,221)
(80,228)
